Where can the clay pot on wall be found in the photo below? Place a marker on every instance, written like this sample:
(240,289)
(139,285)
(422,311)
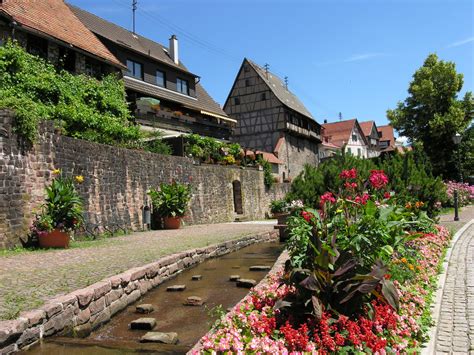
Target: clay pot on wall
(54,239)
(172,222)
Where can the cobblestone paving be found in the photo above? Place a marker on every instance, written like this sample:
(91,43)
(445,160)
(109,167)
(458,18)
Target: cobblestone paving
(455,332)
(27,280)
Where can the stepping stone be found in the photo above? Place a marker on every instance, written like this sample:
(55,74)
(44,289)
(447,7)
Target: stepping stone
(196,277)
(176,288)
(234,277)
(144,308)
(158,337)
(246,283)
(260,268)
(143,324)
(194,301)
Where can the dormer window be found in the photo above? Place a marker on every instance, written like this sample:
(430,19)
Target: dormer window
(134,69)
(354,137)
(182,86)
(160,78)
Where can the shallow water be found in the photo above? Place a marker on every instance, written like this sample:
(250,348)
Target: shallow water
(191,323)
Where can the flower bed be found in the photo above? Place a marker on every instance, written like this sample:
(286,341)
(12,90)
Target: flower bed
(254,325)
(359,278)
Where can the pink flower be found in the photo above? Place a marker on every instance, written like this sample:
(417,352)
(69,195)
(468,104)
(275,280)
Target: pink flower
(348,174)
(378,179)
(327,197)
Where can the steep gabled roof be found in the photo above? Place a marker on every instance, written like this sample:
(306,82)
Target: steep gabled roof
(367,127)
(125,38)
(277,86)
(339,133)
(387,134)
(53,18)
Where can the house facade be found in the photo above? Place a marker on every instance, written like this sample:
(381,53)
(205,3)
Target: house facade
(163,93)
(387,139)
(373,138)
(271,118)
(50,30)
(348,135)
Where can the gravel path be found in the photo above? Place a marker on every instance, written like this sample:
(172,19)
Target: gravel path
(28,279)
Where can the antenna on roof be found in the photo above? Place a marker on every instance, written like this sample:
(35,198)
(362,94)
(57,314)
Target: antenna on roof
(286,82)
(134,9)
(267,67)
(340,116)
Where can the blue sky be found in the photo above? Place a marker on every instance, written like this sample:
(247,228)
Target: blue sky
(351,56)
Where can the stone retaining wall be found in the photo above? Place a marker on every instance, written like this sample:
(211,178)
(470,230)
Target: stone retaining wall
(84,310)
(116,181)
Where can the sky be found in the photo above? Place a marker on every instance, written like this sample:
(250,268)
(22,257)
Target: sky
(356,57)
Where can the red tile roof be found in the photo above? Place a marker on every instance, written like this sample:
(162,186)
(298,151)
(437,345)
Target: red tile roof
(366,127)
(53,18)
(338,133)
(271,158)
(387,134)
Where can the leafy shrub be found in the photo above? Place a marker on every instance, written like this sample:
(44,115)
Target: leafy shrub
(83,107)
(267,171)
(170,200)
(409,174)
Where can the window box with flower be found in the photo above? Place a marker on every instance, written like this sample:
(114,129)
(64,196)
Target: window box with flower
(61,213)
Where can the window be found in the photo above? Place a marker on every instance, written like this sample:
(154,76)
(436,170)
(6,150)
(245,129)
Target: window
(236,101)
(263,96)
(134,69)
(349,151)
(247,82)
(182,86)
(160,78)
(246,68)
(37,46)
(359,153)
(354,137)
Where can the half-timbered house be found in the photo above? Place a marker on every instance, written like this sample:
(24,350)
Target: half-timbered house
(271,118)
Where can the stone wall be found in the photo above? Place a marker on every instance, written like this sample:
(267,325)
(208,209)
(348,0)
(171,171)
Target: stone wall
(82,311)
(116,181)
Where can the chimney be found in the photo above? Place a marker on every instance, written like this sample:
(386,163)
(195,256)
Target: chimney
(173,49)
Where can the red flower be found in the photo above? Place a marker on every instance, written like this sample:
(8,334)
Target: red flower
(378,179)
(348,174)
(308,216)
(387,195)
(327,197)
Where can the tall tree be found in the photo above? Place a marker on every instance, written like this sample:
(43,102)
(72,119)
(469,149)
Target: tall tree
(432,113)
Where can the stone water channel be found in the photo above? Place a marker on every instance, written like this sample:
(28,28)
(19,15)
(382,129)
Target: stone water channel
(190,322)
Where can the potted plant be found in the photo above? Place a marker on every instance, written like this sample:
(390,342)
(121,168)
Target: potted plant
(170,202)
(61,213)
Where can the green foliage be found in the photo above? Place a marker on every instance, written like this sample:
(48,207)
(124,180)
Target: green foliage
(267,171)
(171,200)
(432,113)
(62,208)
(210,150)
(81,106)
(155,144)
(278,206)
(409,174)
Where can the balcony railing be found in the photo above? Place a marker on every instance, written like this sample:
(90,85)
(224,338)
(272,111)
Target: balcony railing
(303,131)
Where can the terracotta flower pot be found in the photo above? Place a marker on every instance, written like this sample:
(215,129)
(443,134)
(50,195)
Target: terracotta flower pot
(172,222)
(54,239)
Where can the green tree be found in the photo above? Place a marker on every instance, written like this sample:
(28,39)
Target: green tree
(432,113)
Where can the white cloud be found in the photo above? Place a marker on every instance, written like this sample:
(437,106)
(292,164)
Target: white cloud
(461,43)
(365,56)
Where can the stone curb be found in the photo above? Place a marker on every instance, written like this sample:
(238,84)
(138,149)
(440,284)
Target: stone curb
(436,307)
(278,266)
(90,307)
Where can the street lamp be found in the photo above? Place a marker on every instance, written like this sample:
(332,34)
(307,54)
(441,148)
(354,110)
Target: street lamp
(457,140)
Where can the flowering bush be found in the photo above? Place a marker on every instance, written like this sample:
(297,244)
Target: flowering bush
(359,279)
(465,193)
(256,324)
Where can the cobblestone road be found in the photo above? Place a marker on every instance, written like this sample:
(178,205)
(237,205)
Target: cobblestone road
(28,279)
(455,330)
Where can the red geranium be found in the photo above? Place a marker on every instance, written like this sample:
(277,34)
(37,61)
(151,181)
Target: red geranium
(327,197)
(378,179)
(308,216)
(348,174)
